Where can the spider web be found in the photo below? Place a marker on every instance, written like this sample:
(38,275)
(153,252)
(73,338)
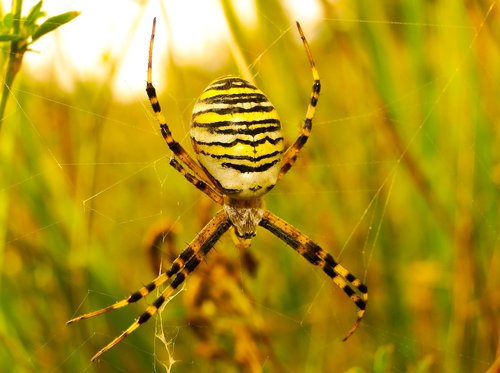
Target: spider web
(68,235)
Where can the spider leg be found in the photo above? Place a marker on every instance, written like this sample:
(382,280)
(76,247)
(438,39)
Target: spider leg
(291,153)
(208,189)
(314,254)
(186,263)
(134,297)
(174,146)
(176,266)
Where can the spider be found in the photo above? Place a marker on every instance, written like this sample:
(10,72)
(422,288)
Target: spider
(236,135)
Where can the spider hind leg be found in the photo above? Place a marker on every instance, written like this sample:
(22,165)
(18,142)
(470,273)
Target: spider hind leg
(314,254)
(180,269)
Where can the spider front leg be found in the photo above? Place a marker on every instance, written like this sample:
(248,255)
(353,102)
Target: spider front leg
(291,153)
(174,146)
(208,189)
(186,263)
(350,284)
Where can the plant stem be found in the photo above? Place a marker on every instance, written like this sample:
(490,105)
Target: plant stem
(17,49)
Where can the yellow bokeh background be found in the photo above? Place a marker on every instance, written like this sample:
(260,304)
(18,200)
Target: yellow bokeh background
(399,181)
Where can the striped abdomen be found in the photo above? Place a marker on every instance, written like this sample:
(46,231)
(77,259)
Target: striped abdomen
(236,135)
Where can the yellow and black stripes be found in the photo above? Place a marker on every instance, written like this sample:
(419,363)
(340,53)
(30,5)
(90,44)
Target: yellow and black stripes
(186,263)
(314,254)
(236,130)
(291,153)
(236,135)
(208,189)
(174,146)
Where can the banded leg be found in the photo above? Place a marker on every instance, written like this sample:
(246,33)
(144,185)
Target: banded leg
(134,297)
(186,263)
(352,286)
(208,189)
(291,153)
(174,146)
(177,265)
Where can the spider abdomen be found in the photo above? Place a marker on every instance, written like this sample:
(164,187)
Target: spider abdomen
(236,134)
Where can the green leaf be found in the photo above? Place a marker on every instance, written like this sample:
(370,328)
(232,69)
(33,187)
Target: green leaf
(7,20)
(52,23)
(35,13)
(10,37)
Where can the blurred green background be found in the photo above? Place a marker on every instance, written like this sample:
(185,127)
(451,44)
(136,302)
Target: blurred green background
(399,181)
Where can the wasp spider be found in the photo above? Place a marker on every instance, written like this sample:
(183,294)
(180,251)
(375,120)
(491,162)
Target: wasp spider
(236,135)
